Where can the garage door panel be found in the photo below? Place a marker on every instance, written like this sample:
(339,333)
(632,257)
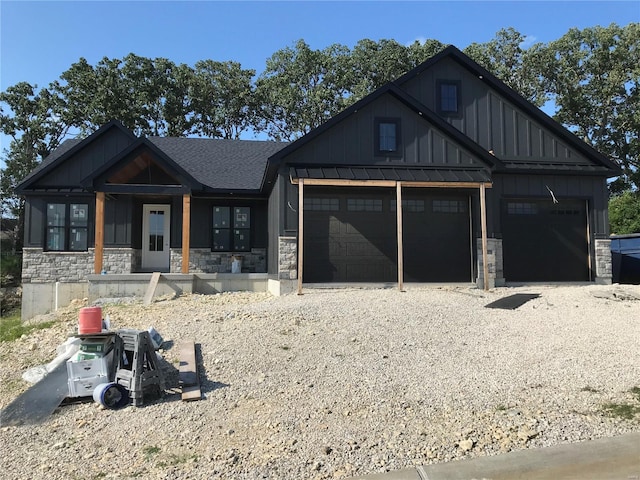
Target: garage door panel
(350,245)
(543,241)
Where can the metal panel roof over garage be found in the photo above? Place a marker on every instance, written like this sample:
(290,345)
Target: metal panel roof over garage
(391,173)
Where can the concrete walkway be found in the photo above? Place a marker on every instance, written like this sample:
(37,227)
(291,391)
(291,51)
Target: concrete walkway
(616,458)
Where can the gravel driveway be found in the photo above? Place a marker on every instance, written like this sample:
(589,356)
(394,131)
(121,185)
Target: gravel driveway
(338,383)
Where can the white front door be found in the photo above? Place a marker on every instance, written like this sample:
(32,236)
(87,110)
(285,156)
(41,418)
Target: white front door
(155,238)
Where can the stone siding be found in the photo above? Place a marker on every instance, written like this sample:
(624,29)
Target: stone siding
(203,260)
(44,267)
(287,258)
(604,266)
(495,263)
(118,260)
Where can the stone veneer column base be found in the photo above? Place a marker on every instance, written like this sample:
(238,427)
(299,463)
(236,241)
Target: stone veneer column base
(603,263)
(495,263)
(287,258)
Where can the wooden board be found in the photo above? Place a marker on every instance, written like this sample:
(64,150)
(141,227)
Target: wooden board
(151,289)
(188,372)
(38,403)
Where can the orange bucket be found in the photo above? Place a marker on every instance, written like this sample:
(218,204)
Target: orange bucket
(90,320)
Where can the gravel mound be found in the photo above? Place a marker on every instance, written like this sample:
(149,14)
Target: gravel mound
(338,383)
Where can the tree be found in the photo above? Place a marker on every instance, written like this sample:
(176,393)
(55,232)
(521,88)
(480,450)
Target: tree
(505,58)
(300,89)
(419,52)
(36,122)
(375,64)
(593,76)
(149,96)
(222,99)
(624,213)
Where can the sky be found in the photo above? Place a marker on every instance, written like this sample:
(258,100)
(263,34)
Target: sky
(40,40)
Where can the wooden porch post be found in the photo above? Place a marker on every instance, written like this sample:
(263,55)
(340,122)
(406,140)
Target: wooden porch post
(300,231)
(399,232)
(99,233)
(483,223)
(186,231)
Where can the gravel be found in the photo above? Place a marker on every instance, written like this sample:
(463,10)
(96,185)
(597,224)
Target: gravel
(338,383)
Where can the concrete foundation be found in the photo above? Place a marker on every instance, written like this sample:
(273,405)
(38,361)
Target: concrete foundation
(41,298)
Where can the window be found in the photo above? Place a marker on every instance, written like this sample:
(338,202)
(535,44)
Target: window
(449,206)
(408,205)
(67,227)
(364,205)
(321,204)
(387,135)
(522,208)
(448,97)
(231,229)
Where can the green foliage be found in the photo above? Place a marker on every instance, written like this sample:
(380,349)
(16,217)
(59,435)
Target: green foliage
(12,328)
(300,89)
(517,67)
(593,76)
(10,269)
(149,451)
(621,410)
(628,411)
(222,99)
(624,213)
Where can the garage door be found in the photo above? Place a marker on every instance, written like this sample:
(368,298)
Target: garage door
(437,238)
(545,242)
(351,237)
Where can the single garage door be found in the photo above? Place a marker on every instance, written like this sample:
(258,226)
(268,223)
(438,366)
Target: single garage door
(351,237)
(545,242)
(436,237)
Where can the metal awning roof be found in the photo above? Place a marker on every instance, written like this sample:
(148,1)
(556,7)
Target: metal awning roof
(405,174)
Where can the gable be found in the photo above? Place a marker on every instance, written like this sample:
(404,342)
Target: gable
(65,168)
(500,120)
(351,141)
(141,168)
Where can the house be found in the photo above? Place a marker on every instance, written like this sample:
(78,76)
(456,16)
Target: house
(444,175)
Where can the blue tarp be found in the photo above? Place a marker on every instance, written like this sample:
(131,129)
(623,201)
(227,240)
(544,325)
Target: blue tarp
(625,256)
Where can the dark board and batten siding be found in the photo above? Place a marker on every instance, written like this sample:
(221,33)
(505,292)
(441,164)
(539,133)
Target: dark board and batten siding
(490,120)
(118,214)
(88,160)
(351,142)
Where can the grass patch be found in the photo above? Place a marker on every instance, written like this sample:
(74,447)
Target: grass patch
(628,411)
(149,451)
(589,389)
(621,410)
(12,328)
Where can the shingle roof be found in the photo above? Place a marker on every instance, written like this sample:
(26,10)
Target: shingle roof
(220,164)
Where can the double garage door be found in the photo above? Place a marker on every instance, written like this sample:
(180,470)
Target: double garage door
(351,236)
(545,241)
